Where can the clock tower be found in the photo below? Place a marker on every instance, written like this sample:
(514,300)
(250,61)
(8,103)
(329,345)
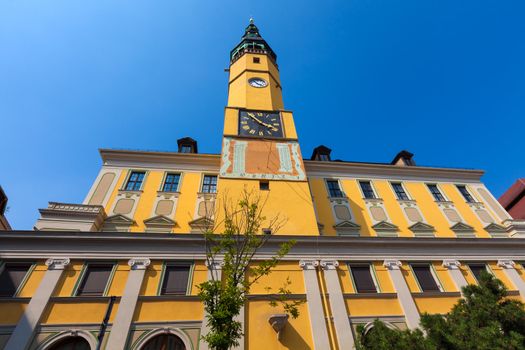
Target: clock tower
(260,150)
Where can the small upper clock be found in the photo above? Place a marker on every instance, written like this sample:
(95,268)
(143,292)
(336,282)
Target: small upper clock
(257,82)
(260,124)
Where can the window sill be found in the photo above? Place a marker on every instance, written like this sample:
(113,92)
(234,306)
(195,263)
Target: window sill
(436,294)
(128,192)
(15,299)
(370,295)
(79,298)
(168,193)
(168,297)
(212,194)
(407,201)
(338,198)
(373,200)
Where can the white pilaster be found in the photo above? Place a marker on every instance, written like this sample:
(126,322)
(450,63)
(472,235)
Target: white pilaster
(25,328)
(343,328)
(120,329)
(512,274)
(403,293)
(455,273)
(315,306)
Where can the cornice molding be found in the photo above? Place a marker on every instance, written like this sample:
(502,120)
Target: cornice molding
(163,160)
(372,170)
(311,249)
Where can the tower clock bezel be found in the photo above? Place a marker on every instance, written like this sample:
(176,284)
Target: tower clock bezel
(254,82)
(264,122)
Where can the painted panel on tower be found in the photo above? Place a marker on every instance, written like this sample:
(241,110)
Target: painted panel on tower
(262,159)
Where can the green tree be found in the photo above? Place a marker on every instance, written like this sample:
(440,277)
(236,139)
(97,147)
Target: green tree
(484,319)
(234,242)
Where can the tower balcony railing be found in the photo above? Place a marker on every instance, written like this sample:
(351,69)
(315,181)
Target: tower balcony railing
(71,217)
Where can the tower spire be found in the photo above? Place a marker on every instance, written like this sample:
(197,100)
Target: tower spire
(253,42)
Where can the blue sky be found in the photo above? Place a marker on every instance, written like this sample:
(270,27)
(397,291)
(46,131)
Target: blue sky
(444,79)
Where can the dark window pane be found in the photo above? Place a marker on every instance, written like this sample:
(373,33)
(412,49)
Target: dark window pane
(209,184)
(400,191)
(12,277)
(425,278)
(171,184)
(477,269)
(334,189)
(436,193)
(465,193)
(135,181)
(364,283)
(185,149)
(164,342)
(95,280)
(175,280)
(366,187)
(72,343)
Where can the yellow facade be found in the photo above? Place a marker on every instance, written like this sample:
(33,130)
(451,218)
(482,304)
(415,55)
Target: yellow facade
(364,249)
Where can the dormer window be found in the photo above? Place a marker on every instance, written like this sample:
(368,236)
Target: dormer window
(404,158)
(187,145)
(321,153)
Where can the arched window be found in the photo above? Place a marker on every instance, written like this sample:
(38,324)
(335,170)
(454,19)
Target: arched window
(164,342)
(71,343)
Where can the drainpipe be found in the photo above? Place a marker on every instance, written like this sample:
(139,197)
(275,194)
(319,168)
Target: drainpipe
(104,324)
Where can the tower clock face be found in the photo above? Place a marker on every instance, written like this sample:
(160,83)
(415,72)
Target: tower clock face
(257,82)
(260,124)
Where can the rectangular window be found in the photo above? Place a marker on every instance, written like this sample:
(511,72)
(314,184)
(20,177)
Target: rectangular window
(135,181)
(477,269)
(171,183)
(175,280)
(362,277)
(256,60)
(209,184)
(95,280)
(12,277)
(264,185)
(463,190)
(425,278)
(333,188)
(324,157)
(400,191)
(436,193)
(368,191)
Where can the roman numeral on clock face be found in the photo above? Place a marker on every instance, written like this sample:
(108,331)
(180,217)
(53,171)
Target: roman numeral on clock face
(260,124)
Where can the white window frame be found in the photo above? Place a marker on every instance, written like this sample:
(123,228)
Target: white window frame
(166,173)
(83,274)
(202,183)
(487,268)
(432,272)
(128,175)
(372,274)
(176,263)
(472,194)
(404,189)
(438,185)
(338,183)
(371,185)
